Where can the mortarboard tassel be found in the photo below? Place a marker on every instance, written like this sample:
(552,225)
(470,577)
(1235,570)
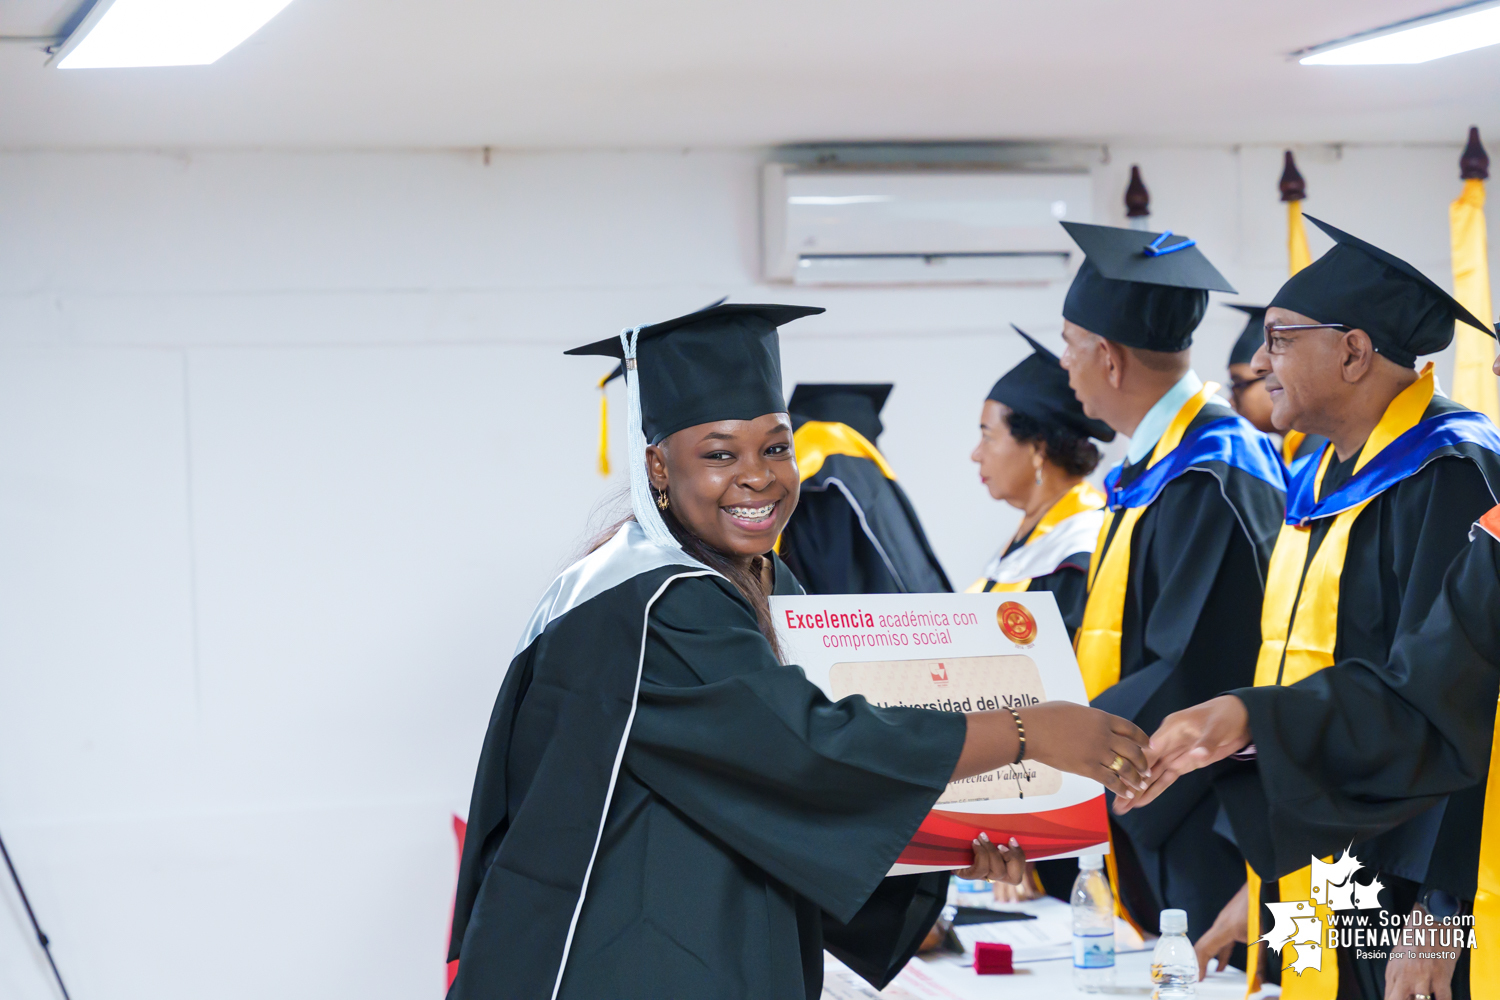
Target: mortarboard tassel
(604,425)
(641,501)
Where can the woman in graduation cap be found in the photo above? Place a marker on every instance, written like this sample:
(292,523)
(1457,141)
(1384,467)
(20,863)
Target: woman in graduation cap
(1034,451)
(663,808)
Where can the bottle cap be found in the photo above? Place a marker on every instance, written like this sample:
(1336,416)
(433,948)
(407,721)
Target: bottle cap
(1091,862)
(1174,921)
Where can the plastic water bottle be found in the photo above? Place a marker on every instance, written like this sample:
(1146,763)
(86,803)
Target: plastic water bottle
(1174,964)
(1093,926)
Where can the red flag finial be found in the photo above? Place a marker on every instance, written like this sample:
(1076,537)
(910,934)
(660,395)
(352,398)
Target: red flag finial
(1474,165)
(1137,198)
(1293,187)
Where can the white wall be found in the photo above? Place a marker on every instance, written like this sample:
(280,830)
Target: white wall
(288,449)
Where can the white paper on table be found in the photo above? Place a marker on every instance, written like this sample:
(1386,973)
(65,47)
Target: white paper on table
(1049,936)
(918,981)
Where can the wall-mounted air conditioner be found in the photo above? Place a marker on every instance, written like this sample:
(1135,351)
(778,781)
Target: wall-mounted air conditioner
(919,226)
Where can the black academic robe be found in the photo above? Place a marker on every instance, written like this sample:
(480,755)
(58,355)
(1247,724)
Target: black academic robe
(1337,765)
(747,821)
(1364,745)
(1399,549)
(1190,632)
(1068,584)
(855,532)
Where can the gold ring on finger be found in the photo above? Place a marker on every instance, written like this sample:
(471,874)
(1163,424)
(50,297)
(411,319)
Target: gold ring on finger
(1117,763)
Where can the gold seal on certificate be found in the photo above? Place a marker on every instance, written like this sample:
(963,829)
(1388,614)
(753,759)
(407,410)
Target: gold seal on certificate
(958,653)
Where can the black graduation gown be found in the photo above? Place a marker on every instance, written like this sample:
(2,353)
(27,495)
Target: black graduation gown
(1069,585)
(1399,549)
(1339,761)
(1190,632)
(1363,745)
(751,823)
(855,532)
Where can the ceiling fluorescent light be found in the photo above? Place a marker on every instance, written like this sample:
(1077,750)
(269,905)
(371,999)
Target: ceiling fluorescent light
(1421,39)
(135,33)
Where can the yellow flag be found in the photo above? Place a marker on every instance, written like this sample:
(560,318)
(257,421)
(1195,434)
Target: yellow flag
(1293,190)
(1297,254)
(1473,379)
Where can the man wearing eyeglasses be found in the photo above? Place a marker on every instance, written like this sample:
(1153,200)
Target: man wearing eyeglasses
(1372,526)
(1247,389)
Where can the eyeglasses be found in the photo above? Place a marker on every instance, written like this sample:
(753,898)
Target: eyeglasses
(1238,386)
(1277,345)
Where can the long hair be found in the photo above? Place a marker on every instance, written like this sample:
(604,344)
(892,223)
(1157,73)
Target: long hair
(746,578)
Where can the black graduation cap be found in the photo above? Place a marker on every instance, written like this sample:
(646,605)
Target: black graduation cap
(719,363)
(855,404)
(1038,387)
(1252,336)
(1405,313)
(1140,289)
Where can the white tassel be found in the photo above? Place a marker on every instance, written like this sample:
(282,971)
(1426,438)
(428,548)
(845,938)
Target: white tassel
(641,500)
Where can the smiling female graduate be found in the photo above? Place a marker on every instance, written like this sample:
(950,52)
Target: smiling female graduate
(663,808)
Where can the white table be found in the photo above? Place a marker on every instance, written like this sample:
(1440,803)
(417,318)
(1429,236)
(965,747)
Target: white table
(952,977)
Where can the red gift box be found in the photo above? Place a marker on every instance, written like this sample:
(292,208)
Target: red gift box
(991,959)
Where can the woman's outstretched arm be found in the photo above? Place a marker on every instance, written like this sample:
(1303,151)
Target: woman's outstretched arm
(1073,738)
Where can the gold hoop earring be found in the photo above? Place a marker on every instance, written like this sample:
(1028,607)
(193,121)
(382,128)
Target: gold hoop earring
(662,500)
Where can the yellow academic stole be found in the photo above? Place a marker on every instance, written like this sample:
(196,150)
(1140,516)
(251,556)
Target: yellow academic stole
(1080,498)
(816,440)
(1098,640)
(1484,960)
(1290,442)
(1297,642)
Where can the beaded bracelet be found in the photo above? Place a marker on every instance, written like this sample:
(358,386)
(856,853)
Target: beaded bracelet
(1020,731)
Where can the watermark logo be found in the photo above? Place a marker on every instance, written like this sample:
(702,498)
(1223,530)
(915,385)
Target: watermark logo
(1306,924)
(1346,913)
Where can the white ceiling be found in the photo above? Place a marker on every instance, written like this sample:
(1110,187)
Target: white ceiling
(652,73)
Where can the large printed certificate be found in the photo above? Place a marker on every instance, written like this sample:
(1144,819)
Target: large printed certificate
(958,653)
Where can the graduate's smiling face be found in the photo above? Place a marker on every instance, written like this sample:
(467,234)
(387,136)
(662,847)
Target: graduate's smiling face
(1304,372)
(1007,467)
(733,483)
